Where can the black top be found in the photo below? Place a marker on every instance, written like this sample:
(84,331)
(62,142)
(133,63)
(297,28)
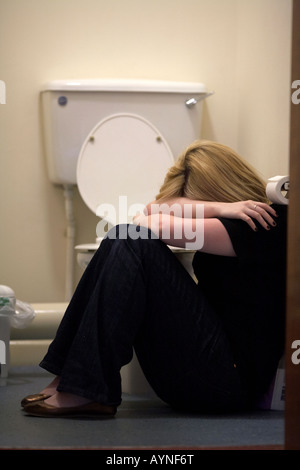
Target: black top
(248,293)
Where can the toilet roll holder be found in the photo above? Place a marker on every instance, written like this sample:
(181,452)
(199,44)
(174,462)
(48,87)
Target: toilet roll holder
(277,189)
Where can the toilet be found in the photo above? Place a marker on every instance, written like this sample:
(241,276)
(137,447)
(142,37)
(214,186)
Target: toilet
(115,140)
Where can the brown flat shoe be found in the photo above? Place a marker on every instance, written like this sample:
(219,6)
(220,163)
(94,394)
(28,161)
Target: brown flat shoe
(89,410)
(34,398)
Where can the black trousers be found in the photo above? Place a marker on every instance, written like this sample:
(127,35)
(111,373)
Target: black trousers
(135,294)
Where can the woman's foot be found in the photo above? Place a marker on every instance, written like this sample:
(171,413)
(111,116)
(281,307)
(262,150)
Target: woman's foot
(65,405)
(46,393)
(51,388)
(66,400)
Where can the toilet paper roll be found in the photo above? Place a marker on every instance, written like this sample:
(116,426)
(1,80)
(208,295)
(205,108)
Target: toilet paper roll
(277,189)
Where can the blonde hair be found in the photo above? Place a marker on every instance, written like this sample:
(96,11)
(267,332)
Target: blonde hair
(208,171)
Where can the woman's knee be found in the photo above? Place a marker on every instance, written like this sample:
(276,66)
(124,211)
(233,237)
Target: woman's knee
(140,240)
(130,232)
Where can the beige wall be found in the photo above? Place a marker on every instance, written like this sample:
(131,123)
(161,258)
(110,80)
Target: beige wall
(238,48)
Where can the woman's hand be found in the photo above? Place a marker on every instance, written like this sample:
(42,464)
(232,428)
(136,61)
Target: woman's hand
(244,210)
(248,210)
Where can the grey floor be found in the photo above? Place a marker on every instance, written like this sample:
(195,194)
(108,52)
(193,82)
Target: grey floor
(140,423)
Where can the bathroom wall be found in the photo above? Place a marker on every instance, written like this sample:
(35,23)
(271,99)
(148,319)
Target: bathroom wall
(238,48)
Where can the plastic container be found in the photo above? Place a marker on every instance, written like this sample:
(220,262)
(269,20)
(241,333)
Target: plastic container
(7,309)
(13,313)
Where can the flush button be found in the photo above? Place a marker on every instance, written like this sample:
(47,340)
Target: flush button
(62,100)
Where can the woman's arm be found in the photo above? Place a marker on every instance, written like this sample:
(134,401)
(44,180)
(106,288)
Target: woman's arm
(244,210)
(207,235)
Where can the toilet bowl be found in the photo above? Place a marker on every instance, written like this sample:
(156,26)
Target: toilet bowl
(85,252)
(124,173)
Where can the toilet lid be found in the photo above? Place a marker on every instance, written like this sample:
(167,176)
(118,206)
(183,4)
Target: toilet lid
(121,166)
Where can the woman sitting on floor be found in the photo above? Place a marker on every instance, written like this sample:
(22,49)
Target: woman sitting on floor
(211,346)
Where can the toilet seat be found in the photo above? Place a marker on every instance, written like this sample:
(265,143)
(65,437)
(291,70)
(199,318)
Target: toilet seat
(123,155)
